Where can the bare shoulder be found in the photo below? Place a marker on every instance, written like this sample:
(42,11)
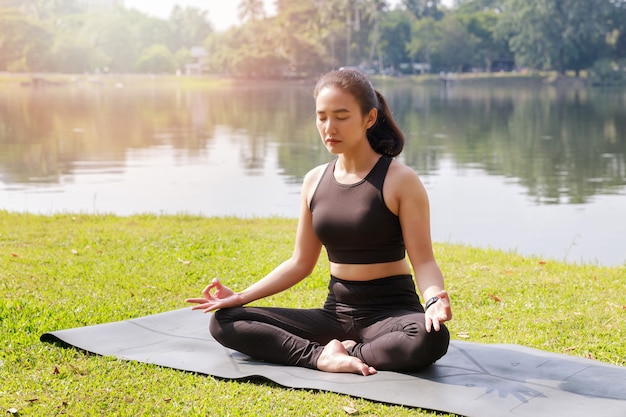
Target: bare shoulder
(403,187)
(402,176)
(311,179)
(314,175)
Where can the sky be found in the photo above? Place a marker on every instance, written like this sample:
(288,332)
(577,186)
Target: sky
(221,13)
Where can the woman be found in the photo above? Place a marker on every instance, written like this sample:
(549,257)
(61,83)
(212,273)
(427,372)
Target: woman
(368,210)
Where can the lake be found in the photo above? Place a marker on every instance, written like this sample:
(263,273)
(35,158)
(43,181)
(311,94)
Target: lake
(531,169)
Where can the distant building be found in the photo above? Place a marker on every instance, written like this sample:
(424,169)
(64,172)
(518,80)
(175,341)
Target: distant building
(199,57)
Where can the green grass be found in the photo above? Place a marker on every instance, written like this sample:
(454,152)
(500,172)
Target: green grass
(67,270)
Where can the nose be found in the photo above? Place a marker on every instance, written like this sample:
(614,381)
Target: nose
(328,126)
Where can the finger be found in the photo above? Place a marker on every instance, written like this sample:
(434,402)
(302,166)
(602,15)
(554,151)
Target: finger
(205,307)
(196,300)
(429,324)
(210,309)
(436,325)
(207,291)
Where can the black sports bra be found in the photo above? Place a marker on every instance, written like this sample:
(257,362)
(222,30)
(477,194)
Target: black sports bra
(353,221)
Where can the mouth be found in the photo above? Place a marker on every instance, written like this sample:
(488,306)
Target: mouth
(331,141)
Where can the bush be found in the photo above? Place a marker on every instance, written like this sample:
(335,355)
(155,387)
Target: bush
(606,72)
(156,59)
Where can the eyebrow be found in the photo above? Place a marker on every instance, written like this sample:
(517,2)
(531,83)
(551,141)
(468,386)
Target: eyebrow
(334,111)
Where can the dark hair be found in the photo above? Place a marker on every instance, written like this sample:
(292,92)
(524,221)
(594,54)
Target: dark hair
(385,137)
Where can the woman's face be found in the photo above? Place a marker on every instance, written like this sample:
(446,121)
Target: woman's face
(340,121)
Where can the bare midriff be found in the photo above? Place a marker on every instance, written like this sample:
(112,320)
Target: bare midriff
(368,272)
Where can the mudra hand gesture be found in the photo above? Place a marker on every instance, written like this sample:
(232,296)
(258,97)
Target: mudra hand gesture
(222,297)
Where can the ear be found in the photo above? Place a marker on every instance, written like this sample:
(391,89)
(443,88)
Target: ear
(371,117)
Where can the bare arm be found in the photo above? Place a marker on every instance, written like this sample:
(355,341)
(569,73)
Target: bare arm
(304,258)
(414,212)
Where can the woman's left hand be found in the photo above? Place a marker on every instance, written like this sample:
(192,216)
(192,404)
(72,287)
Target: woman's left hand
(438,312)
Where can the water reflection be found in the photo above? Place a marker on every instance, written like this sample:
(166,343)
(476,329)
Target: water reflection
(244,151)
(562,146)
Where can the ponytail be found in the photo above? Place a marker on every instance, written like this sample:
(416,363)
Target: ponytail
(385,137)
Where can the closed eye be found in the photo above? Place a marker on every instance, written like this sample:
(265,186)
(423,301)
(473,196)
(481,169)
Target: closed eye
(340,114)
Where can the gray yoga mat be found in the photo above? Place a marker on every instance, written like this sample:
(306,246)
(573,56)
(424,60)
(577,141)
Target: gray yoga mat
(473,380)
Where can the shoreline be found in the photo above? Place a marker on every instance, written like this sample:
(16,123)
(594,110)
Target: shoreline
(191,217)
(502,79)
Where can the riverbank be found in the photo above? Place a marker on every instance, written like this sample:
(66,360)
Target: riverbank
(71,270)
(500,79)
(110,80)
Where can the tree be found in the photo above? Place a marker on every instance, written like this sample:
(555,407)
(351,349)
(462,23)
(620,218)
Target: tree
(326,28)
(457,44)
(42,9)
(23,41)
(374,10)
(473,6)
(114,34)
(156,59)
(72,54)
(395,30)
(308,36)
(423,8)
(251,10)
(617,40)
(489,48)
(557,34)
(189,26)
(153,31)
(300,33)
(425,34)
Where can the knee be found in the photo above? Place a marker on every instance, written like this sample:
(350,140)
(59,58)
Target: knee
(214,327)
(429,347)
(439,341)
(220,323)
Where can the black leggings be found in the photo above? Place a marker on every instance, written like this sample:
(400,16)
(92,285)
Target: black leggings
(383,316)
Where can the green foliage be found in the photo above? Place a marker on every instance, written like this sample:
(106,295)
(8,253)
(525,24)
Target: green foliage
(423,8)
(488,48)
(189,27)
(424,44)
(157,59)
(558,34)
(73,270)
(183,56)
(251,10)
(23,40)
(74,55)
(457,46)
(396,38)
(306,37)
(608,73)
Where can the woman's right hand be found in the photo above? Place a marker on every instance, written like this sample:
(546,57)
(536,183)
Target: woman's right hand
(222,297)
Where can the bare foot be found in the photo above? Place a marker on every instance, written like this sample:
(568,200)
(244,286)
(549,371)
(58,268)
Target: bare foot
(335,358)
(348,344)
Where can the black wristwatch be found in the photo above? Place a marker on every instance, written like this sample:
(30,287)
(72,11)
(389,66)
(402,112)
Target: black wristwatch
(430,302)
